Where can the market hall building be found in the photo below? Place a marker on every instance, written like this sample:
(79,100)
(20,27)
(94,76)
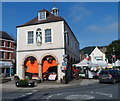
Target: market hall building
(41,45)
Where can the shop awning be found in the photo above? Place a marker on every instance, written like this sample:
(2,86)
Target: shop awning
(85,63)
(46,65)
(101,63)
(5,64)
(32,68)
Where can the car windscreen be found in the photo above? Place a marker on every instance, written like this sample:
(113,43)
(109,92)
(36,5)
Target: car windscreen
(104,72)
(114,72)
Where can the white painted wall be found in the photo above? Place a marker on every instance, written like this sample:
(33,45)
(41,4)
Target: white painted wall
(97,53)
(57,36)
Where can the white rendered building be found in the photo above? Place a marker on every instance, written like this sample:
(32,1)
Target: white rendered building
(46,38)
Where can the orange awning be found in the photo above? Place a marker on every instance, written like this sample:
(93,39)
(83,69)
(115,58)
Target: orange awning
(46,65)
(32,68)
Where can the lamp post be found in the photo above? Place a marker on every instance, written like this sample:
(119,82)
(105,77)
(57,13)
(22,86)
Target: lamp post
(113,57)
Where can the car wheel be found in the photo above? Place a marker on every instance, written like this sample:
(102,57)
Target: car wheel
(100,82)
(114,81)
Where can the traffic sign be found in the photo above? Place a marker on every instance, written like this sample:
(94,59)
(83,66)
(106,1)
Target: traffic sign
(65,59)
(64,56)
(63,67)
(64,63)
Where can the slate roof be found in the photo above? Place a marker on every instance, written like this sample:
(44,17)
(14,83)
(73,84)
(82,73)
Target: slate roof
(49,18)
(5,35)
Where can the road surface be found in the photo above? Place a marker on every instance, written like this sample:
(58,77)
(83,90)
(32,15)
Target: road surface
(90,92)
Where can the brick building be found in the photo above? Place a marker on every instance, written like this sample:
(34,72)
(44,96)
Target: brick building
(6,54)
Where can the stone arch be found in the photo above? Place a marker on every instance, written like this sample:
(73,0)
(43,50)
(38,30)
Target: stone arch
(29,56)
(25,59)
(47,55)
(49,64)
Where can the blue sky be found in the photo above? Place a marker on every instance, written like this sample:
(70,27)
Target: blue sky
(93,23)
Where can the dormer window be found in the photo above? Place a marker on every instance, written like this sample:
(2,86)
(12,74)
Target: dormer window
(41,15)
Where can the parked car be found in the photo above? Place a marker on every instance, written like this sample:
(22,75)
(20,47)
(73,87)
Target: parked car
(109,76)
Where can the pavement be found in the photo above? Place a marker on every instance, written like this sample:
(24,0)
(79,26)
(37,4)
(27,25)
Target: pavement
(49,84)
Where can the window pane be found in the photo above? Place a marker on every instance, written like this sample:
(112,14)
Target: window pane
(3,42)
(48,35)
(48,32)
(1,55)
(30,34)
(8,44)
(30,41)
(30,37)
(8,55)
(42,15)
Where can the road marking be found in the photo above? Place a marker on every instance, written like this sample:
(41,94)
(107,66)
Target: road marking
(34,90)
(109,95)
(29,93)
(22,95)
(79,97)
(50,96)
(56,95)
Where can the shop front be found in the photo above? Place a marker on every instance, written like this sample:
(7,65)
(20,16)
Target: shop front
(49,70)
(6,68)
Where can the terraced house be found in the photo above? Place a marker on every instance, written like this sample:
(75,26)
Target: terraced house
(6,54)
(41,45)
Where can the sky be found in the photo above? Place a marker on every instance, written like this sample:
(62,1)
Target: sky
(93,23)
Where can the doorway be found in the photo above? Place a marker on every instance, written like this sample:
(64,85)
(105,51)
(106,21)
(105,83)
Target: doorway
(49,68)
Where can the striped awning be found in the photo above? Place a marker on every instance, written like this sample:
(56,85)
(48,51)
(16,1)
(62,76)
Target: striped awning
(5,64)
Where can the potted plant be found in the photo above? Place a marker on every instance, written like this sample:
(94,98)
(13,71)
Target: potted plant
(25,83)
(21,83)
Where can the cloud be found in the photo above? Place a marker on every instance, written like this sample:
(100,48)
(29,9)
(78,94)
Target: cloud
(110,28)
(78,12)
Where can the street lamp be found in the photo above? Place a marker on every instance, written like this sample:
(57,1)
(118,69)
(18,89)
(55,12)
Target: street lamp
(113,57)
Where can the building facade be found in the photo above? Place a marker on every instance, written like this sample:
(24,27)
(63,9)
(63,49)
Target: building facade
(7,54)
(97,55)
(45,39)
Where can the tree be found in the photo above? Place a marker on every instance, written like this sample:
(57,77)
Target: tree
(113,49)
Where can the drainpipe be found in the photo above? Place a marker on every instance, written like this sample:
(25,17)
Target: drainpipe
(65,44)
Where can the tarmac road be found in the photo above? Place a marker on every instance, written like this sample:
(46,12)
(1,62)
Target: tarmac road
(85,92)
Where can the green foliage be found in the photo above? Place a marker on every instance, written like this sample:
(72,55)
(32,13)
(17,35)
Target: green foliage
(23,82)
(116,46)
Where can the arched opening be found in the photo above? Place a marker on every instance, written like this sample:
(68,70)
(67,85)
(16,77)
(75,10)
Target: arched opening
(31,67)
(49,68)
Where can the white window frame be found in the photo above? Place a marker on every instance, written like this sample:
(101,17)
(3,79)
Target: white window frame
(39,13)
(51,35)
(33,37)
